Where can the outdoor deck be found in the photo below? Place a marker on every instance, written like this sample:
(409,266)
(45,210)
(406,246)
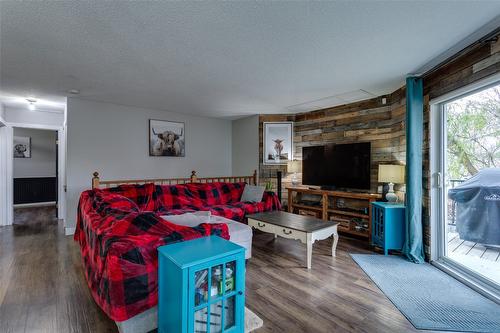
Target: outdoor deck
(461,247)
(482,259)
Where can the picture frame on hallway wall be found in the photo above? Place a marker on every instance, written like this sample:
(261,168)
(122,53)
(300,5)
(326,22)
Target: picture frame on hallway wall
(166,138)
(22,147)
(277,142)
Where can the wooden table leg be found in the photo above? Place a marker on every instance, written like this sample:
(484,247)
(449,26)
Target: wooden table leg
(335,242)
(309,250)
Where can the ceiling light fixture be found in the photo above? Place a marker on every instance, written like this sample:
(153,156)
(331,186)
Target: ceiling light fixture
(74,91)
(31,104)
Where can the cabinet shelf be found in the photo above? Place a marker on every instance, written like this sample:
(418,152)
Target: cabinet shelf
(348,213)
(307,207)
(326,208)
(354,232)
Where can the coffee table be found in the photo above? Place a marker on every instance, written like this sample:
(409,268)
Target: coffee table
(307,229)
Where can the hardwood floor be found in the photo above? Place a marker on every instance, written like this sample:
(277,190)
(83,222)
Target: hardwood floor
(42,287)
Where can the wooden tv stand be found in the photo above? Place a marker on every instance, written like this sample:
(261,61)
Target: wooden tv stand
(351,209)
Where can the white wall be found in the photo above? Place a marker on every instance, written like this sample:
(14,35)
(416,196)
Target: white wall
(2,114)
(43,154)
(18,115)
(245,150)
(3,169)
(113,139)
(6,180)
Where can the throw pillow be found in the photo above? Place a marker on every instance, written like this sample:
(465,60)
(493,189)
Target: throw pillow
(252,193)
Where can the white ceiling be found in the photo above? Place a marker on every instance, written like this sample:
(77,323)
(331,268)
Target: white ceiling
(225,59)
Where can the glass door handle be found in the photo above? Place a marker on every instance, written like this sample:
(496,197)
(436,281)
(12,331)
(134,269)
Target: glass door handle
(439,182)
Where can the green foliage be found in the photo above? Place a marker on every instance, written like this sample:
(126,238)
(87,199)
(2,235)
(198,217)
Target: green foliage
(269,186)
(473,133)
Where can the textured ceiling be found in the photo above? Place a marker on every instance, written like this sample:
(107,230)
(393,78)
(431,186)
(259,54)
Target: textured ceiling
(225,58)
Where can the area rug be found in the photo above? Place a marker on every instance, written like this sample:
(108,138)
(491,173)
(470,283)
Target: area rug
(429,298)
(252,321)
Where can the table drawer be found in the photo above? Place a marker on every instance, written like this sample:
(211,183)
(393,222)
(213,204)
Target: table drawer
(290,233)
(266,227)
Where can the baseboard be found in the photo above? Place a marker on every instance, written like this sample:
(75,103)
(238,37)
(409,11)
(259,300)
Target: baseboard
(35,204)
(68,231)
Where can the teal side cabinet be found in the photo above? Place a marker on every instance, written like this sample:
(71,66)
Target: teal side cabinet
(201,286)
(388,226)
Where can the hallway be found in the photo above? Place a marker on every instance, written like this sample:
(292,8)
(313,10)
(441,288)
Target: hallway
(35,216)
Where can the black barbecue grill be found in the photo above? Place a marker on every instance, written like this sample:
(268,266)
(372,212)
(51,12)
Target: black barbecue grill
(478,207)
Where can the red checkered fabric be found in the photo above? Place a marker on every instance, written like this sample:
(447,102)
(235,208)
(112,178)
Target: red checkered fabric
(173,197)
(218,193)
(119,230)
(227,211)
(108,203)
(143,195)
(119,251)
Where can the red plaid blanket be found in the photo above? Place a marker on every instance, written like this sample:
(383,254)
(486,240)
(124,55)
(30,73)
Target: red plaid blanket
(119,231)
(119,251)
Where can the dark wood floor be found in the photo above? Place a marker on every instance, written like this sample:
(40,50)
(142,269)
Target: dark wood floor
(42,288)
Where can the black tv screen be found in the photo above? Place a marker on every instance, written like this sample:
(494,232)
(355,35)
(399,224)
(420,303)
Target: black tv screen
(337,166)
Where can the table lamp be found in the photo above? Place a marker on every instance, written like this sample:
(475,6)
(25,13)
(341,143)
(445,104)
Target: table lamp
(294,167)
(392,174)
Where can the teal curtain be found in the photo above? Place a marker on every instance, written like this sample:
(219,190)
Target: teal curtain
(413,248)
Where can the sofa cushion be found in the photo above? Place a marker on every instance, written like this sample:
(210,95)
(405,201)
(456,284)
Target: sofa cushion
(251,207)
(179,211)
(227,211)
(253,193)
(143,195)
(175,197)
(106,203)
(216,193)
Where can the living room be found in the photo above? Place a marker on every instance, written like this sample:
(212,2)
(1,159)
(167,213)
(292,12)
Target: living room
(319,140)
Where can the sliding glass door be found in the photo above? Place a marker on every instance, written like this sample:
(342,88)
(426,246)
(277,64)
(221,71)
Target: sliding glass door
(466,178)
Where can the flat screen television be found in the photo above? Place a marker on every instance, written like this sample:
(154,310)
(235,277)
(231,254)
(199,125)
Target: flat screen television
(337,166)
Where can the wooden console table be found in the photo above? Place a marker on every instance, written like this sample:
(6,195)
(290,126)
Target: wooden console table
(350,209)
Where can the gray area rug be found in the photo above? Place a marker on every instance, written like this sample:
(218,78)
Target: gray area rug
(429,298)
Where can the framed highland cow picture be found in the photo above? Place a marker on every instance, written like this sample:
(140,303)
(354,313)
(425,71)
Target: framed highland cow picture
(22,147)
(166,138)
(277,142)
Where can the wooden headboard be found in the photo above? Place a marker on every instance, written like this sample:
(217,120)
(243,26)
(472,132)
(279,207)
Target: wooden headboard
(98,183)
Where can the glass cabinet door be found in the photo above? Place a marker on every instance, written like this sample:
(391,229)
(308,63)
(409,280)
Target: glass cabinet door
(201,320)
(215,298)
(229,312)
(200,283)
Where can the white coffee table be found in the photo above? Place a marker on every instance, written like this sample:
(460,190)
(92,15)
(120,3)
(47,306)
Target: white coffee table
(307,229)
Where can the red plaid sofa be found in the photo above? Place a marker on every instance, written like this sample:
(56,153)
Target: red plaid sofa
(119,229)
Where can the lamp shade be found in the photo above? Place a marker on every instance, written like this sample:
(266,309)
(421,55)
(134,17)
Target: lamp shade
(293,166)
(390,173)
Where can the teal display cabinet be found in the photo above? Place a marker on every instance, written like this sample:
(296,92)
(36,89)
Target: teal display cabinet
(388,226)
(201,286)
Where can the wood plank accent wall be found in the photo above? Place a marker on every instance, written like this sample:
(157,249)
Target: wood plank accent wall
(383,125)
(369,120)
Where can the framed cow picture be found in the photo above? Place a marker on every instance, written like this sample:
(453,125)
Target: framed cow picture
(278,142)
(166,138)
(22,147)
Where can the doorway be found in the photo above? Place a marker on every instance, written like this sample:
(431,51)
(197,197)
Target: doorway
(7,172)
(465,196)
(35,170)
